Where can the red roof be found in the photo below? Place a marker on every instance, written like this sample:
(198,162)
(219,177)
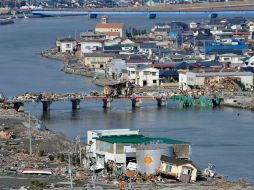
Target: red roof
(112,33)
(109,25)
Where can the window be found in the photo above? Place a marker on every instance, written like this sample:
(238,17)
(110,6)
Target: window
(146,72)
(68,45)
(132,72)
(154,73)
(226,59)
(154,81)
(168,168)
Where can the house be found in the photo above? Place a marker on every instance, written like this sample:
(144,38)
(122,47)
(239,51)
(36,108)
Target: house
(217,25)
(127,42)
(234,59)
(97,60)
(91,36)
(234,45)
(147,48)
(189,79)
(183,170)
(135,60)
(66,44)
(89,46)
(112,42)
(159,33)
(145,76)
(111,30)
(112,49)
(116,69)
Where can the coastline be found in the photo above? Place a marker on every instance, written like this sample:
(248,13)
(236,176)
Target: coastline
(16,158)
(74,65)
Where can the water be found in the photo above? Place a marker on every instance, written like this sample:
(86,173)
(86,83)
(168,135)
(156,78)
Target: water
(218,136)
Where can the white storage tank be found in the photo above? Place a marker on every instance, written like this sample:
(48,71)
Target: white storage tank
(148,157)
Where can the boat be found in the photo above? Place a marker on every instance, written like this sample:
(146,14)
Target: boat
(5,21)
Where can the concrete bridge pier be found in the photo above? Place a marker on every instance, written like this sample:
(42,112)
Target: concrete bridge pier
(152,16)
(75,104)
(135,102)
(19,106)
(93,16)
(161,101)
(46,105)
(107,102)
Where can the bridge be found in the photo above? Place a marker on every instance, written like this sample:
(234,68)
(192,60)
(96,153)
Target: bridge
(75,98)
(152,12)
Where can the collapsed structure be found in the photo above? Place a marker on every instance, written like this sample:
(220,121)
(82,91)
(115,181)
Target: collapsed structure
(128,149)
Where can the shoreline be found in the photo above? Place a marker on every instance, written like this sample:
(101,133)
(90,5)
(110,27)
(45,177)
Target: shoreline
(74,65)
(16,159)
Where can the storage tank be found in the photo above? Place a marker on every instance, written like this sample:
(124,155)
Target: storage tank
(148,157)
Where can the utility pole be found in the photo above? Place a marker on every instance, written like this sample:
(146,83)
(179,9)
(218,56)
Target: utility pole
(70,170)
(30,135)
(80,155)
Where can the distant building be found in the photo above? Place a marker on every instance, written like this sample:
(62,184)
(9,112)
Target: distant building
(97,60)
(144,76)
(92,36)
(66,44)
(89,46)
(147,48)
(111,30)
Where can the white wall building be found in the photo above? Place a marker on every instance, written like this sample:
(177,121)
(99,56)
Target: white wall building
(93,134)
(234,59)
(89,47)
(66,44)
(146,76)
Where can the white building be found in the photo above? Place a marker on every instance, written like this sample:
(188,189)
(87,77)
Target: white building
(235,60)
(94,134)
(66,44)
(111,30)
(146,76)
(89,47)
(191,79)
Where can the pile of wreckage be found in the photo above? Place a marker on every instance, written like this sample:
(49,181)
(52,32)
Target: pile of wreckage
(128,155)
(30,96)
(218,85)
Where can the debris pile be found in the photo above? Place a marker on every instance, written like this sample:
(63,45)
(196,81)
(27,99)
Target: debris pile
(218,85)
(30,96)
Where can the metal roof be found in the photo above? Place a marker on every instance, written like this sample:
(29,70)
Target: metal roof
(138,139)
